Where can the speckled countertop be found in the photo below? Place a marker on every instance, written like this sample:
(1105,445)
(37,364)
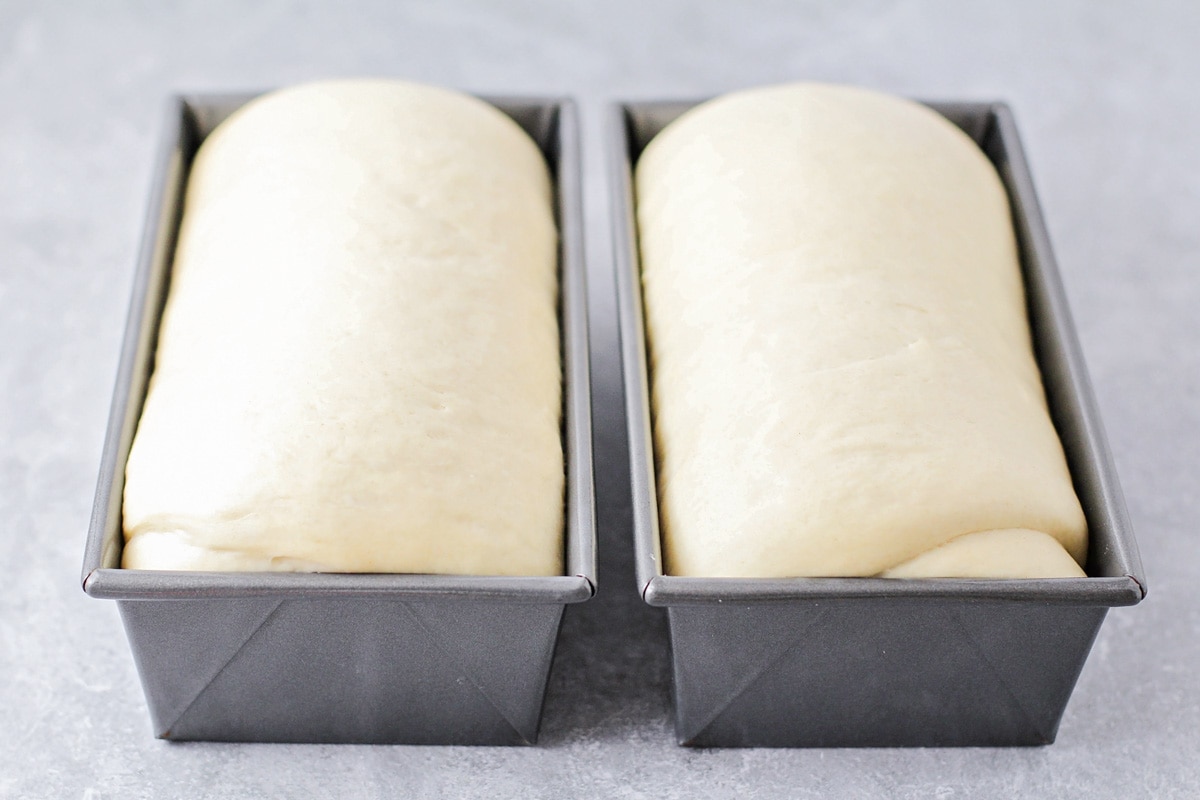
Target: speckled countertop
(1105,94)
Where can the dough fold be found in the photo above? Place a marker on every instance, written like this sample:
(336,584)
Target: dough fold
(358,363)
(842,371)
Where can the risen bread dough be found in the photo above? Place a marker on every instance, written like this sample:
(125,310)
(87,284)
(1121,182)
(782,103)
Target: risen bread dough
(843,377)
(358,364)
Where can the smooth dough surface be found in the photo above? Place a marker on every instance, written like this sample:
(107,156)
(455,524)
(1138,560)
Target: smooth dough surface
(358,364)
(843,376)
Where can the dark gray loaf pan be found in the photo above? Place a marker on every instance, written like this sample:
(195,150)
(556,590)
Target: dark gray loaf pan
(832,662)
(294,657)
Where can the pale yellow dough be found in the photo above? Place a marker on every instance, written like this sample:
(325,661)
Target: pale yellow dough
(358,364)
(843,377)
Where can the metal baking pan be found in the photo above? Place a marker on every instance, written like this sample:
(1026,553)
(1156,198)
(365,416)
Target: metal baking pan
(831,662)
(294,657)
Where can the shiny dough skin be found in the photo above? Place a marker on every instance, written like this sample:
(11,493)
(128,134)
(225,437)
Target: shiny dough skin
(843,376)
(358,363)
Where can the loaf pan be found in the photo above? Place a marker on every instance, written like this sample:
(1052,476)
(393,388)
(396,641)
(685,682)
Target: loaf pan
(296,657)
(833,662)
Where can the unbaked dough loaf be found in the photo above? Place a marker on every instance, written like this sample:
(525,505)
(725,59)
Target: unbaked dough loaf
(843,377)
(358,364)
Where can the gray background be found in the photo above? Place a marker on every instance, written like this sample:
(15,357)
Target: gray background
(1104,93)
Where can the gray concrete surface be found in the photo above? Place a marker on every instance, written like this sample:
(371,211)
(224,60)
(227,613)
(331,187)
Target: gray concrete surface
(1105,93)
